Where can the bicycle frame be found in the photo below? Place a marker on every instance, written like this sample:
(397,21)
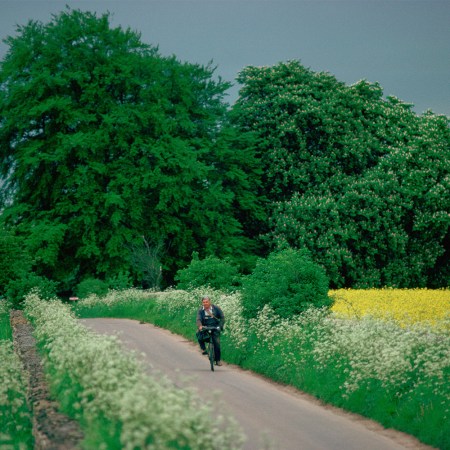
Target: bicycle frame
(210,345)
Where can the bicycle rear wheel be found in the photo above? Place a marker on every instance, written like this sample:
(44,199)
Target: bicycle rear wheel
(211,354)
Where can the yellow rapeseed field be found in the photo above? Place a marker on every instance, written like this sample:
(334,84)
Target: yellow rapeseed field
(406,306)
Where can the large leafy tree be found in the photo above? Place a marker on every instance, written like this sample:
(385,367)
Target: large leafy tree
(390,227)
(360,181)
(310,128)
(105,144)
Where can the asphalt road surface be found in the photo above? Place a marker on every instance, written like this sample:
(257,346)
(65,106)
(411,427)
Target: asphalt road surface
(271,416)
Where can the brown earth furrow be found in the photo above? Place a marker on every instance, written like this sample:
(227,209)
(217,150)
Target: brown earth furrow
(52,430)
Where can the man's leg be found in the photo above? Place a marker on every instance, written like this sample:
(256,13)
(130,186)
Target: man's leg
(216,343)
(201,342)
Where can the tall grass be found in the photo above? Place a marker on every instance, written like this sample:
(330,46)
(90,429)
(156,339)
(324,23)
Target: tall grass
(383,369)
(15,423)
(117,403)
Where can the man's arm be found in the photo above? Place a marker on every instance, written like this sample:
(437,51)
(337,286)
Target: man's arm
(221,317)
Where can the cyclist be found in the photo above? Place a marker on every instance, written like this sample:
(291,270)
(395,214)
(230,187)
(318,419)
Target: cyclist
(210,315)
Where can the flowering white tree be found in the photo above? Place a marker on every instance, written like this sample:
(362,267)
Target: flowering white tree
(361,181)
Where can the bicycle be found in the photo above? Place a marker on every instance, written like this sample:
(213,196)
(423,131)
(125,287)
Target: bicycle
(209,344)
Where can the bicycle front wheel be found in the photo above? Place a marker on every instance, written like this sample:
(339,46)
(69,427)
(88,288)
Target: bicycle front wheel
(211,355)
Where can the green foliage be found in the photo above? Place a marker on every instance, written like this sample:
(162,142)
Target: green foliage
(19,287)
(16,275)
(91,286)
(288,281)
(116,160)
(211,271)
(13,258)
(310,128)
(15,423)
(103,141)
(387,228)
(120,281)
(5,325)
(360,181)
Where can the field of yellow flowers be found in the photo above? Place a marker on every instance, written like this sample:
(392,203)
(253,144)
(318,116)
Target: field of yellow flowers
(405,306)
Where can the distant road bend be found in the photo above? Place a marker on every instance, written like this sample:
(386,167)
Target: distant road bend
(270,415)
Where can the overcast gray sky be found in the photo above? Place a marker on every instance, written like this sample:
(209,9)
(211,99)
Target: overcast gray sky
(402,44)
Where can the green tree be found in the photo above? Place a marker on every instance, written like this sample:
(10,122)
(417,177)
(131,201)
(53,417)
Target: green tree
(351,176)
(389,227)
(310,128)
(103,141)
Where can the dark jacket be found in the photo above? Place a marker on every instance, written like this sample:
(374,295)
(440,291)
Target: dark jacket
(217,320)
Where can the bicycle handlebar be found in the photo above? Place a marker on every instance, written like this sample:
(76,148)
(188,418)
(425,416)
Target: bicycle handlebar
(210,328)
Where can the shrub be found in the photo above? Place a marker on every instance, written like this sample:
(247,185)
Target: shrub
(288,281)
(91,286)
(213,272)
(18,288)
(120,281)
(13,258)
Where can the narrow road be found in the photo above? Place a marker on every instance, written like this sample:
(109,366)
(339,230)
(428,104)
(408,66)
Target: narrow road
(272,416)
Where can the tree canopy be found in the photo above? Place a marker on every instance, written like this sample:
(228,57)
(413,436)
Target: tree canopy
(119,164)
(105,144)
(359,180)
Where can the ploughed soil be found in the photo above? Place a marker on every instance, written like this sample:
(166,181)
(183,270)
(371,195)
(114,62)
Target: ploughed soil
(52,430)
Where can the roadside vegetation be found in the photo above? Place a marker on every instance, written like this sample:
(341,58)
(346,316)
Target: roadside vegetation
(15,420)
(108,391)
(394,373)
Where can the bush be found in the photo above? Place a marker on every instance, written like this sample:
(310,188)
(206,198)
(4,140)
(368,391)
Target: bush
(17,289)
(120,281)
(91,286)
(14,259)
(289,281)
(213,272)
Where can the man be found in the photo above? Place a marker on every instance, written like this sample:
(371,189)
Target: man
(210,315)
